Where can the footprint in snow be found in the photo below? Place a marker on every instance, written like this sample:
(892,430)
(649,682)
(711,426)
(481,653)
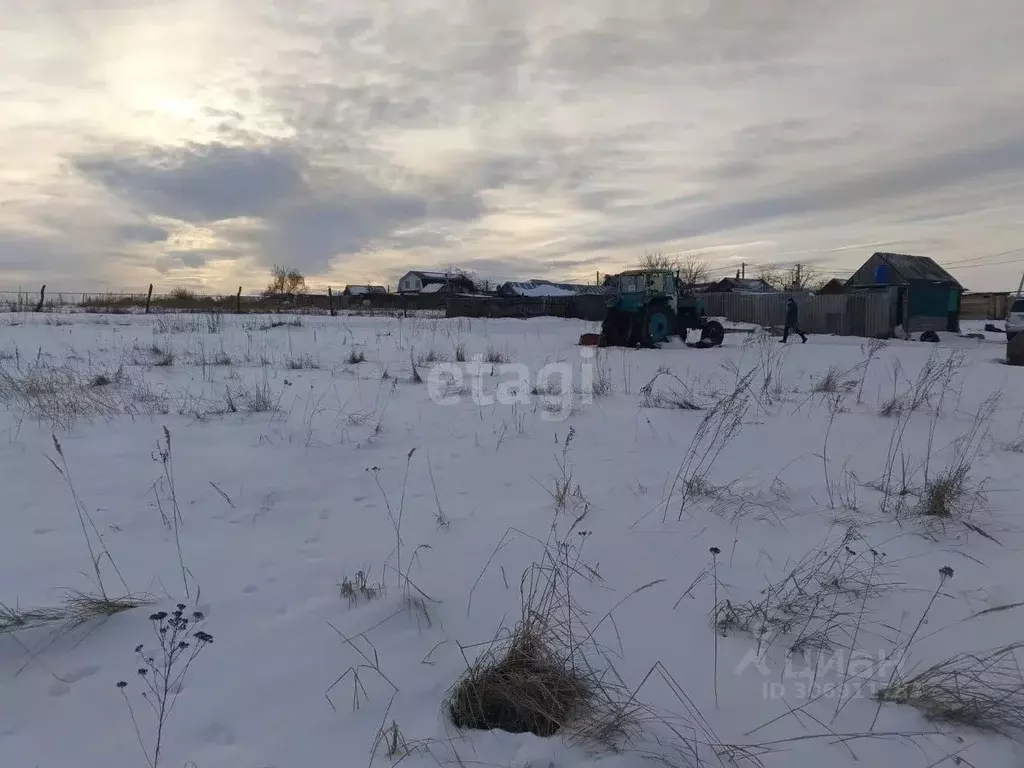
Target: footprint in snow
(250,589)
(61,685)
(79,674)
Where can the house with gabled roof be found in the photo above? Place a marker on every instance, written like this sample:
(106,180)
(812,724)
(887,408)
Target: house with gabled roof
(421,281)
(927,297)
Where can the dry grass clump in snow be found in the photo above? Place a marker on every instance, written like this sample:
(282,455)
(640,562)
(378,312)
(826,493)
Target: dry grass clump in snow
(550,675)
(358,589)
(269,325)
(206,322)
(258,397)
(303,362)
(935,379)
(77,608)
(720,426)
(983,691)
(833,381)
(819,604)
(1014,446)
(536,680)
(666,390)
(162,357)
(497,356)
(431,357)
(61,394)
(355,357)
(951,494)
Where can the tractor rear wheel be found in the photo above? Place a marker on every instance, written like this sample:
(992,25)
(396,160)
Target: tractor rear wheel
(713,332)
(659,323)
(615,328)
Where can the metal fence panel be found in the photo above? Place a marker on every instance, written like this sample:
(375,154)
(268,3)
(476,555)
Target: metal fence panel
(848,314)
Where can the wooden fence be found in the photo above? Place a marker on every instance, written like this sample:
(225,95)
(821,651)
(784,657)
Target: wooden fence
(984,306)
(849,314)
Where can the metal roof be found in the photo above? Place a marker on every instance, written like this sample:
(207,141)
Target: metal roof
(916,268)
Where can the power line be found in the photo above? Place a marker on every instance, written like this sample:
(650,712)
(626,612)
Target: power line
(986,264)
(983,258)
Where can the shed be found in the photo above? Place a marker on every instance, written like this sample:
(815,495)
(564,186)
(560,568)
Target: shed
(927,297)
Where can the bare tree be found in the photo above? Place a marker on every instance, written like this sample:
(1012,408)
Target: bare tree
(800,277)
(288,282)
(652,260)
(693,269)
(773,276)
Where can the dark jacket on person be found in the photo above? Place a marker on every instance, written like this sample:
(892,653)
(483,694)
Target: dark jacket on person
(791,313)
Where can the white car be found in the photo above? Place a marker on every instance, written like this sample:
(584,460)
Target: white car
(1015,320)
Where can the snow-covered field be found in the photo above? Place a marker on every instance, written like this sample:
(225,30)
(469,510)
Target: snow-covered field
(354,538)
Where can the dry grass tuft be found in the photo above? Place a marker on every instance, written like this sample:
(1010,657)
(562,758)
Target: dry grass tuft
(497,356)
(671,392)
(258,397)
(303,362)
(548,675)
(524,686)
(61,395)
(77,609)
(1014,446)
(358,589)
(981,691)
(833,382)
(819,604)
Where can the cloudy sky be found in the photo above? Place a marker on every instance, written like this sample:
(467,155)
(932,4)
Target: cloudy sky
(198,142)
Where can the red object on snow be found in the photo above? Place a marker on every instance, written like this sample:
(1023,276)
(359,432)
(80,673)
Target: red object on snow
(590,340)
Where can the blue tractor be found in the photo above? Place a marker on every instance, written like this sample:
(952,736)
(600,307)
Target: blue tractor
(646,307)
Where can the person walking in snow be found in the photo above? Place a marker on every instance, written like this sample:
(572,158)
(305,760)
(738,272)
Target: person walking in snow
(792,322)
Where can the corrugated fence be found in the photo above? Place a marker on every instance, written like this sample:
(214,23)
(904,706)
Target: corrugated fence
(848,314)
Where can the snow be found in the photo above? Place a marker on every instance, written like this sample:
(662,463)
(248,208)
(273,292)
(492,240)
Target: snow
(543,291)
(277,508)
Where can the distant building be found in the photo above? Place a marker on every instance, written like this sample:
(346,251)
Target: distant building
(363,290)
(418,281)
(832,287)
(926,297)
(738,285)
(547,289)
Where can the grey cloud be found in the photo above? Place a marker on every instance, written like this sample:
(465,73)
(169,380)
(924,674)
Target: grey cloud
(860,191)
(311,213)
(192,260)
(200,182)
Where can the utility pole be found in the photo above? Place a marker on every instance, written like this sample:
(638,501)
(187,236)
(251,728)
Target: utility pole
(743,269)
(797,283)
